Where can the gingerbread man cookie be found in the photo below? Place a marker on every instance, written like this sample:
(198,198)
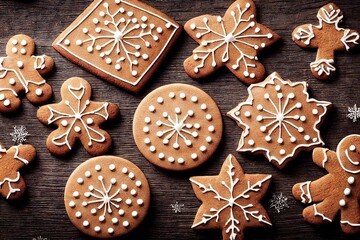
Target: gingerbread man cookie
(122,41)
(327,37)
(279,120)
(231,200)
(107,197)
(20,71)
(12,185)
(77,117)
(233,41)
(339,190)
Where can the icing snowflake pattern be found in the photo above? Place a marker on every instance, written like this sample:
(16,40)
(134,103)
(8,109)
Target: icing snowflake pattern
(233,40)
(19,134)
(232,193)
(276,120)
(353,113)
(177,207)
(278,202)
(328,31)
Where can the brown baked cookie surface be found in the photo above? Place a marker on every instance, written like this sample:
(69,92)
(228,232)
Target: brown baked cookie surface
(121,41)
(279,120)
(337,191)
(77,117)
(177,127)
(327,37)
(231,200)
(107,197)
(12,185)
(233,40)
(21,72)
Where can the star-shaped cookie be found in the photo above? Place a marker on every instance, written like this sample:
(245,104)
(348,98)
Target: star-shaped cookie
(78,118)
(12,185)
(231,200)
(233,41)
(279,119)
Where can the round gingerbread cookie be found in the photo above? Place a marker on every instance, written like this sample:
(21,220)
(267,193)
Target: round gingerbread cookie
(177,127)
(106,197)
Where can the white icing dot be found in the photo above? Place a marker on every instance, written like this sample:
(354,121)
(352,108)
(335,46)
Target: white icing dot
(14,42)
(263,128)
(67,42)
(259,118)
(247,114)
(39,92)
(147,141)
(7,103)
(86,223)
(14,50)
(124,170)
(134,214)
(171,159)
(79,42)
(110,230)
(268,138)
(280,140)
(194,99)
(12,81)
(101,218)
(347,191)
(93,211)
(191,113)
(133,192)
(251,142)
(97,229)
(85,30)
(203,106)
(23,42)
(159,30)
(115,220)
(80,180)
(307,137)
(181,161)
(131,175)
(152,148)
(259,107)
(171,94)
(89,121)
(151,108)
(177,110)
(78,215)
(342,203)
(315,111)
(134,73)
(113,181)
(124,187)
(138,183)
(195,134)
(20,64)
(292,139)
(126,224)
(160,100)
(352,148)
(197,126)
(147,120)
(300,129)
(118,67)
(252,75)
(182,95)
(203,148)
(211,128)
(88,174)
(76,194)
(194,156)
(98,167)
(85,203)
(121,212)
(351,180)
(108,60)
(282,151)
(208,117)
(140,202)
(146,129)
(77,129)
(303,118)
(72,204)
(208,139)
(128,201)
(266,96)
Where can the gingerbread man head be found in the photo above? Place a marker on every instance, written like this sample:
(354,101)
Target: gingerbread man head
(327,37)
(348,152)
(20,71)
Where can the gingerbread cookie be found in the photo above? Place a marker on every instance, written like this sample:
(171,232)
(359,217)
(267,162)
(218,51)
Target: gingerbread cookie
(279,120)
(106,197)
(121,41)
(177,127)
(77,117)
(327,37)
(339,190)
(20,71)
(12,185)
(231,200)
(233,41)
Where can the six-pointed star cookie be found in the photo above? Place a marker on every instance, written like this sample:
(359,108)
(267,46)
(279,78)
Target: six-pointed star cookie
(339,190)
(107,196)
(327,37)
(20,71)
(122,41)
(12,185)
(78,118)
(231,200)
(233,40)
(279,119)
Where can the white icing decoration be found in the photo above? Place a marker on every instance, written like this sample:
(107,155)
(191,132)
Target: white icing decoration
(120,39)
(350,223)
(77,116)
(323,66)
(7,103)
(351,180)
(23,43)
(305,192)
(305,35)
(39,92)
(235,36)
(317,213)
(349,38)
(325,156)
(342,203)
(231,204)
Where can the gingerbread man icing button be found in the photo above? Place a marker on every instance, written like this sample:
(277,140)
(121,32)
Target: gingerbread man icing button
(77,117)
(177,127)
(233,40)
(106,197)
(327,37)
(21,71)
(279,120)
(12,185)
(339,190)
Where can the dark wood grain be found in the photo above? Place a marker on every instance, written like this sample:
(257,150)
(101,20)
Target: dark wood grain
(41,212)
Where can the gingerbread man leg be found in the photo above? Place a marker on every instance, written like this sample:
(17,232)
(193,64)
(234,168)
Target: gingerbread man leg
(13,188)
(350,217)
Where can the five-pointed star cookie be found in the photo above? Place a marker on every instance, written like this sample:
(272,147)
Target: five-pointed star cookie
(78,118)
(20,71)
(231,200)
(12,185)
(327,37)
(279,119)
(233,41)
(339,190)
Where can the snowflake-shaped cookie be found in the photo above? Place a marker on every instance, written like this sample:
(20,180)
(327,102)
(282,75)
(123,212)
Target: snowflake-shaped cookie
(233,41)
(279,119)
(122,41)
(339,190)
(177,127)
(20,71)
(327,37)
(78,118)
(107,196)
(230,201)
(12,185)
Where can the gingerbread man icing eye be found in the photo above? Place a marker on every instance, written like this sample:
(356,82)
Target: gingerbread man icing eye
(349,153)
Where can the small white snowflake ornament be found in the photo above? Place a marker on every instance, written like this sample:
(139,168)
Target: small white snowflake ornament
(231,200)
(353,113)
(278,202)
(279,120)
(122,41)
(19,134)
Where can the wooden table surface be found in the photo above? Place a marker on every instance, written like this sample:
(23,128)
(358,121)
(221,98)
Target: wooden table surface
(41,213)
